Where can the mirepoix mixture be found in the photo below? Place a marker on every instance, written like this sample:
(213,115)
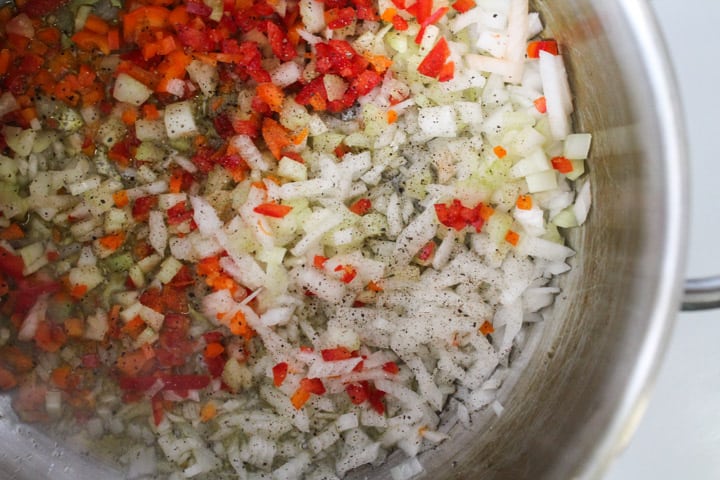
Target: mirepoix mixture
(276,238)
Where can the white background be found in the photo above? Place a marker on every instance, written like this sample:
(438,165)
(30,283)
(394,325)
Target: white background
(679,437)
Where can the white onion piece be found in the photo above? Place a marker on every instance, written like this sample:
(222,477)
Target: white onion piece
(33,318)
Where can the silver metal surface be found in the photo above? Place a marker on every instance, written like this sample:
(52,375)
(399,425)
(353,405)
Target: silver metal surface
(589,370)
(701,293)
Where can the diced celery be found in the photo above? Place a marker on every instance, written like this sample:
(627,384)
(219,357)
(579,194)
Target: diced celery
(375,119)
(149,151)
(327,142)
(89,275)
(32,252)
(19,140)
(292,169)
(168,269)
(120,262)
(577,171)
(148,263)
(147,336)
(498,225)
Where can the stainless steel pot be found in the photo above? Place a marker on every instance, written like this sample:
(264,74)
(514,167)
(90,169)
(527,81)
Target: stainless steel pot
(588,371)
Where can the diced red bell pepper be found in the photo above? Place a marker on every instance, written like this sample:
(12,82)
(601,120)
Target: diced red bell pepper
(11,265)
(357,393)
(312,385)
(361,206)
(534,48)
(432,64)
(274,210)
(279,42)
(335,354)
(280,372)
(562,164)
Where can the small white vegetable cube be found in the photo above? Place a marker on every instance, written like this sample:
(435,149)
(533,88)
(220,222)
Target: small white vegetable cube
(129,90)
(292,169)
(541,181)
(149,130)
(535,162)
(469,112)
(179,120)
(577,146)
(204,75)
(577,171)
(438,121)
(335,87)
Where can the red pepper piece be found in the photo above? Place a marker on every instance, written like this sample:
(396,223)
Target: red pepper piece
(280,372)
(432,64)
(534,48)
(274,210)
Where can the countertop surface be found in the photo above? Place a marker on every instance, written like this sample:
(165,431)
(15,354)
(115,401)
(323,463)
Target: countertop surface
(679,436)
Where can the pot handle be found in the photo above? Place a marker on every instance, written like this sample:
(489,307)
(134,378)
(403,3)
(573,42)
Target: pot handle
(701,293)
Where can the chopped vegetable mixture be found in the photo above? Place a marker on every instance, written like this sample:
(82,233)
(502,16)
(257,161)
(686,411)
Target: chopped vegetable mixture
(280,237)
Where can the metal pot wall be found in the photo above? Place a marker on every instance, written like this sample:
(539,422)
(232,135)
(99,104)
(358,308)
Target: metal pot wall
(589,370)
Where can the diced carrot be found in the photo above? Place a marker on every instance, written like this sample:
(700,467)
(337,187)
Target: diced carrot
(176,180)
(540,104)
(129,116)
(388,14)
(179,16)
(486,328)
(374,287)
(299,138)
(12,232)
(134,327)
(208,411)
(114,39)
(512,237)
(271,94)
(96,24)
(59,376)
(524,202)
(240,327)
(150,111)
(379,62)
(74,326)
(121,198)
(5,59)
(78,291)
(299,398)
(276,137)
(392,116)
(213,350)
(113,241)
(486,211)
(499,151)
(89,41)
